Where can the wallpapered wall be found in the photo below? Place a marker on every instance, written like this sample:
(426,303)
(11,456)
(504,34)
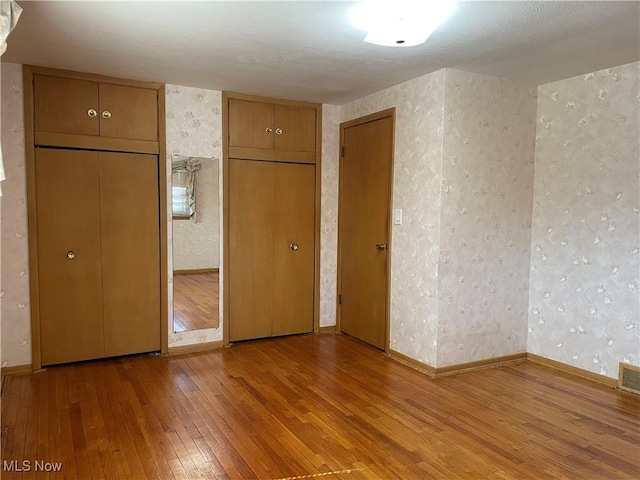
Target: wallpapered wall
(585,293)
(485,226)
(14,296)
(329,214)
(463,175)
(417,178)
(194,128)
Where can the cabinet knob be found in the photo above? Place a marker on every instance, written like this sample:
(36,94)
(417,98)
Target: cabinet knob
(71,255)
(381,247)
(106,114)
(92,113)
(269,130)
(293,247)
(278,131)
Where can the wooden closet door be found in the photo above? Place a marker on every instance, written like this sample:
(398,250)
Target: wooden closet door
(293,248)
(133,112)
(69,262)
(251,222)
(250,124)
(130,252)
(297,126)
(62,105)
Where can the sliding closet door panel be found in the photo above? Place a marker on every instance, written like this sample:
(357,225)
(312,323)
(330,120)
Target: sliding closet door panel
(130,252)
(69,266)
(293,249)
(250,248)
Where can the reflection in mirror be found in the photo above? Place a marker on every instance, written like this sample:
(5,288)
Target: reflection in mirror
(196,242)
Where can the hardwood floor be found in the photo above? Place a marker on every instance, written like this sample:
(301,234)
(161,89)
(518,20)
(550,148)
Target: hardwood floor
(195,301)
(299,407)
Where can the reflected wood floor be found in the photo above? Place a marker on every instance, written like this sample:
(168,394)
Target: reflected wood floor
(195,301)
(297,407)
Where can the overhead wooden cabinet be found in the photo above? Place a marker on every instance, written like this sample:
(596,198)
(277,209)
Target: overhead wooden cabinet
(271,131)
(94,114)
(272,228)
(95,188)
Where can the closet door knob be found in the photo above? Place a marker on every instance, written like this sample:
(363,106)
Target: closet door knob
(92,113)
(106,114)
(269,130)
(71,255)
(278,131)
(293,247)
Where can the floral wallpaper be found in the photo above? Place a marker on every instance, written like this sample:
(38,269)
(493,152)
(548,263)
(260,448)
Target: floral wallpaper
(585,261)
(329,214)
(417,182)
(194,128)
(485,228)
(14,293)
(463,178)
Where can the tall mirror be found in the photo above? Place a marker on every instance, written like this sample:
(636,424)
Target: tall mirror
(195,204)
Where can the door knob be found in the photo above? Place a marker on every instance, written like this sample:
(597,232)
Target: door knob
(71,255)
(92,113)
(381,247)
(293,247)
(278,131)
(106,114)
(268,130)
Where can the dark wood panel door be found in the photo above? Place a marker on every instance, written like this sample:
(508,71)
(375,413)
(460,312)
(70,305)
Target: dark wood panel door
(295,128)
(250,124)
(128,112)
(130,225)
(250,249)
(65,105)
(293,248)
(364,229)
(69,261)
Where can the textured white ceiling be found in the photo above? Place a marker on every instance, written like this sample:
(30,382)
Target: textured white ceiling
(307,50)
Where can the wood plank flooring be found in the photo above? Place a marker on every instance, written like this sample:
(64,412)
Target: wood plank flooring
(305,406)
(195,301)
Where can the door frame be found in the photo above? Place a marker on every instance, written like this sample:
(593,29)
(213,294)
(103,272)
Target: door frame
(388,113)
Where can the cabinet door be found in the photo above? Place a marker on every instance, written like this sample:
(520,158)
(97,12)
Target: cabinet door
(131,112)
(293,248)
(69,263)
(62,105)
(250,249)
(130,252)
(295,128)
(250,124)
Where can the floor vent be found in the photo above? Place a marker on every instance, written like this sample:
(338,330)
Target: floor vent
(629,378)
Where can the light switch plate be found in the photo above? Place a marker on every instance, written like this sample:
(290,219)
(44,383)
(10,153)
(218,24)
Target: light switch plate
(397,216)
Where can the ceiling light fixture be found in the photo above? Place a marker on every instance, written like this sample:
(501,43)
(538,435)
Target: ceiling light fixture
(400,23)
